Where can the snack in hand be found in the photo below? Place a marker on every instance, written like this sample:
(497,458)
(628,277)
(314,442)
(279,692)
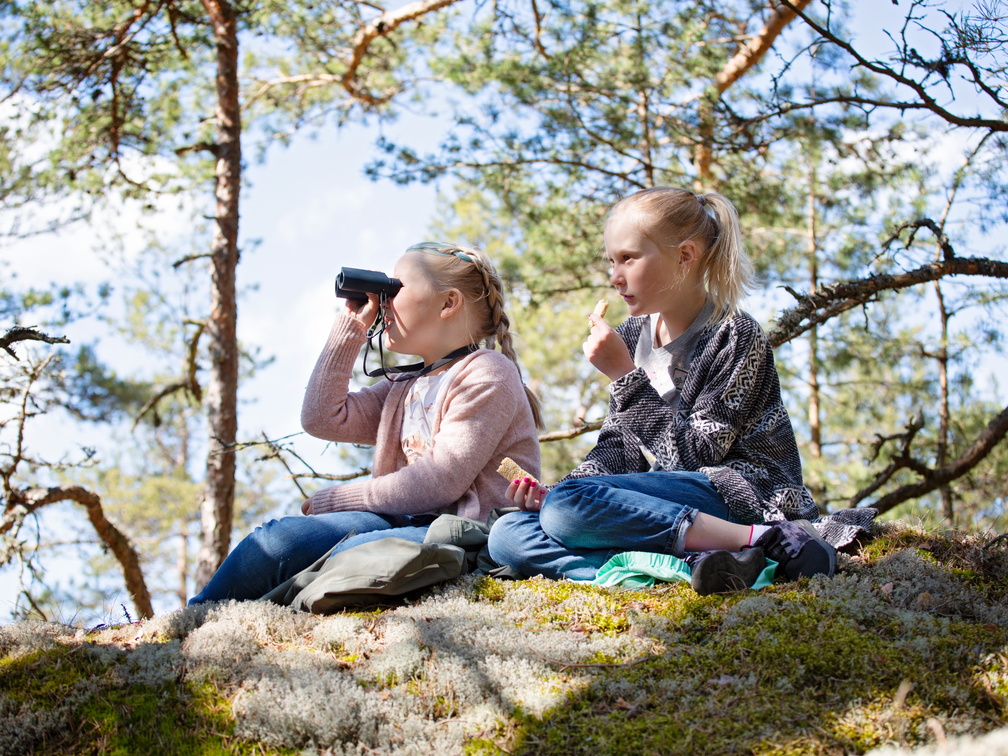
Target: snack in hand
(512,471)
(601,309)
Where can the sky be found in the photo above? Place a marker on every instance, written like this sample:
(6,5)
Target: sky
(308,210)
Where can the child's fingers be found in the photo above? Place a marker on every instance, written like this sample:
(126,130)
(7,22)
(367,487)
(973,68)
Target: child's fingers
(598,314)
(525,493)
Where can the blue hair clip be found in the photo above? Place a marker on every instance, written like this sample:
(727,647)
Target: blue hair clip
(439,248)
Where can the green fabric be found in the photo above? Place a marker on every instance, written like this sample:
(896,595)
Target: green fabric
(641,569)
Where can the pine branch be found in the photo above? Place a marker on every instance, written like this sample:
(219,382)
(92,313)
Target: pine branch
(385,24)
(19,333)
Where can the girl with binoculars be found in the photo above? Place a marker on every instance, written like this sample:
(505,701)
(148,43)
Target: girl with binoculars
(439,432)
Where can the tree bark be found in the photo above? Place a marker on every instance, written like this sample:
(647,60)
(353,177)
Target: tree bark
(222,389)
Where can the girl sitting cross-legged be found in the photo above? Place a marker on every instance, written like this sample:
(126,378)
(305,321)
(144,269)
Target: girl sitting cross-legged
(697,457)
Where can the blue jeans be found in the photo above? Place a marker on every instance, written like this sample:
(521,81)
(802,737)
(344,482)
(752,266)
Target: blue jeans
(585,522)
(279,549)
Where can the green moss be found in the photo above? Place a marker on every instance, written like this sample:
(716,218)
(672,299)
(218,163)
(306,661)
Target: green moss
(489,590)
(108,716)
(780,684)
(814,667)
(46,678)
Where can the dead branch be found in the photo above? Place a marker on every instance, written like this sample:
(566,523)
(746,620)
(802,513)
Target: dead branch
(899,77)
(33,499)
(19,333)
(916,225)
(573,432)
(899,461)
(276,453)
(995,431)
(151,403)
(340,478)
(832,299)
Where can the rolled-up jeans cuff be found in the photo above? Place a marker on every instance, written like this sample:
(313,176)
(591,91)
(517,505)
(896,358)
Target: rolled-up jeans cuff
(679,541)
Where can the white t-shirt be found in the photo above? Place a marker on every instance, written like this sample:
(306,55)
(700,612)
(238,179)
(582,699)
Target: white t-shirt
(666,366)
(419,410)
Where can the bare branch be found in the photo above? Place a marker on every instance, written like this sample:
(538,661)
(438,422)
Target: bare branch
(275,453)
(33,499)
(995,431)
(574,432)
(382,26)
(832,299)
(19,333)
(926,100)
(899,461)
(151,403)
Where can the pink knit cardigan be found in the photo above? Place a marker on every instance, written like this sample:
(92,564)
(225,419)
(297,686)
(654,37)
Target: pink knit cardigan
(484,417)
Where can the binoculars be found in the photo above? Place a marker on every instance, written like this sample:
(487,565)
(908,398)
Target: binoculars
(355,284)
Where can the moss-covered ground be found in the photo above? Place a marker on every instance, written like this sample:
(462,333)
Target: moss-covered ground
(906,648)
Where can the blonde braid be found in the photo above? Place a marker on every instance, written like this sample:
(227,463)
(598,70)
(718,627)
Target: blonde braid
(500,330)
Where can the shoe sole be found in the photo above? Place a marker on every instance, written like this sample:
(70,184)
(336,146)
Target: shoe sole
(723,572)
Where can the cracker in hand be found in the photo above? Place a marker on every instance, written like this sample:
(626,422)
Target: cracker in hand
(600,309)
(512,471)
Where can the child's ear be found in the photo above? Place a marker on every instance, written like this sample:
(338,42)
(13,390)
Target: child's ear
(688,252)
(451,304)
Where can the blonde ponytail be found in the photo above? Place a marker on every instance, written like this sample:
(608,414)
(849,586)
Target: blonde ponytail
(670,216)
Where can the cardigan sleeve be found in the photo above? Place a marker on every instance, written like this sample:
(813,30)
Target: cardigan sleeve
(479,408)
(329,410)
(617,450)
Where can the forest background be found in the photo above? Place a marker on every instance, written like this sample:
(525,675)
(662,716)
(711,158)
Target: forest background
(182,180)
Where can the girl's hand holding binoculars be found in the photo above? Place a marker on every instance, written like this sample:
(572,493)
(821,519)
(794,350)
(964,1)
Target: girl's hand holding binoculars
(365,312)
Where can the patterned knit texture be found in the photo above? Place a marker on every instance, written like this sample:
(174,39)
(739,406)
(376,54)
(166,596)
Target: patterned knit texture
(730,425)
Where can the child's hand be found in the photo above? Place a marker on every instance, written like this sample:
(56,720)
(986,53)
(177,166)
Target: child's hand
(527,494)
(365,312)
(605,349)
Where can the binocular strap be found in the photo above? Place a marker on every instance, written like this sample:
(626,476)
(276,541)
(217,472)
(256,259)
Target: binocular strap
(378,329)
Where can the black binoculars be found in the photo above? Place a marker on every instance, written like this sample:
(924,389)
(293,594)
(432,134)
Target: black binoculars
(355,284)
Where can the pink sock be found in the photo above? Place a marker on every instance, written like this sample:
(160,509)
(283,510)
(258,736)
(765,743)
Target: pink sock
(755,531)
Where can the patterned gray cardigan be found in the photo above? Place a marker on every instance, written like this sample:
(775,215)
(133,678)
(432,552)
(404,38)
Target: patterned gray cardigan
(731,424)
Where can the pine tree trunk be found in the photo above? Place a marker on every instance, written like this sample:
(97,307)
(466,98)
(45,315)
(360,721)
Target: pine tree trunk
(222,389)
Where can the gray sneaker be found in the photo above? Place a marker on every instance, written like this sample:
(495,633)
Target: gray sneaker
(798,549)
(725,571)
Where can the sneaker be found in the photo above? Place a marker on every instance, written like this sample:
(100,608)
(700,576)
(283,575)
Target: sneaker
(798,549)
(724,571)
